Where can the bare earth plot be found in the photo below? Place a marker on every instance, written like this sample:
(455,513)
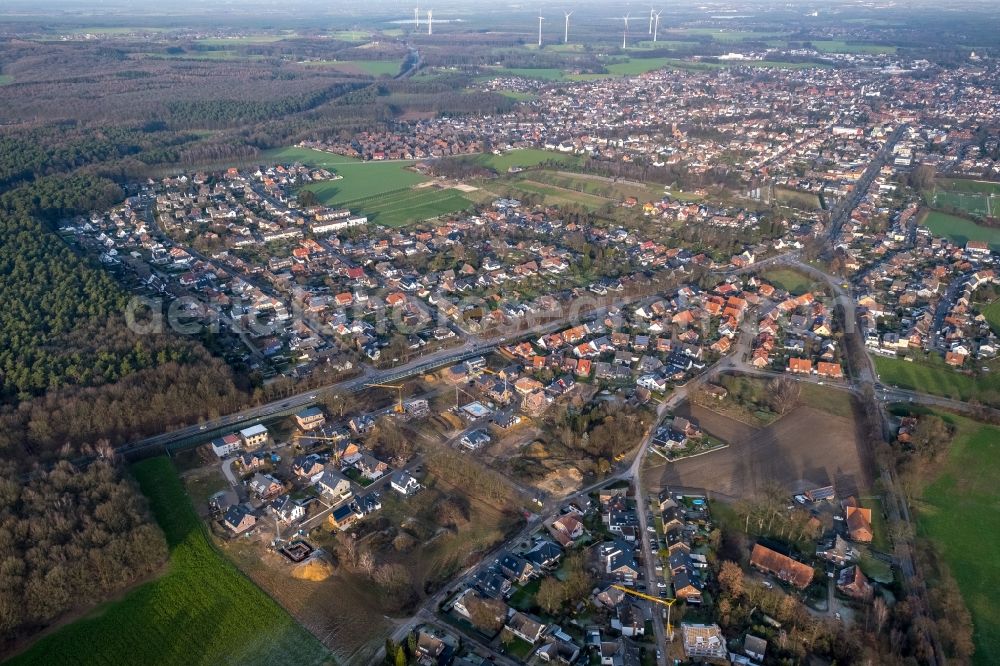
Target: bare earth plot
(804,449)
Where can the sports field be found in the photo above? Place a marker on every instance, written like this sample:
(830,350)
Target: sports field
(975,197)
(959,229)
(202,611)
(938,379)
(959,513)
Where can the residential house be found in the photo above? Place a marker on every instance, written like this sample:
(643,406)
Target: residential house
(254,437)
(344,516)
(226,445)
(544,556)
(781,566)
(309,418)
(567,529)
(754,647)
(517,569)
(403,483)
(238,519)
(853,583)
(286,510)
(703,641)
(858,520)
(619,561)
(525,627)
(265,485)
(629,620)
(335,485)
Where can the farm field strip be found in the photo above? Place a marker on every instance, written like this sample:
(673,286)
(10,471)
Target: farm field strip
(956,511)
(223,616)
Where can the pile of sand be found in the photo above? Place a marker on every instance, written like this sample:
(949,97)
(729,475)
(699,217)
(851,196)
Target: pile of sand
(316,568)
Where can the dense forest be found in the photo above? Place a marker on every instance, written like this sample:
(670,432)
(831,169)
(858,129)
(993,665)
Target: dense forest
(67,537)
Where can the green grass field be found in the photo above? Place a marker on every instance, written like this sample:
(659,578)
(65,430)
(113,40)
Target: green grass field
(6,79)
(937,378)
(992,314)
(369,67)
(727,36)
(969,186)
(543,74)
(960,230)
(959,513)
(245,40)
(840,46)
(524,158)
(791,281)
(381,190)
(797,198)
(351,35)
(202,611)
(559,197)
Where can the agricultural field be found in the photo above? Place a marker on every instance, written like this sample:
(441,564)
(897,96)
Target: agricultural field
(351,35)
(937,378)
(557,196)
(840,46)
(596,186)
(806,447)
(791,281)
(524,158)
(726,36)
(360,67)
(384,191)
(959,229)
(397,209)
(245,40)
(542,74)
(6,79)
(196,613)
(955,512)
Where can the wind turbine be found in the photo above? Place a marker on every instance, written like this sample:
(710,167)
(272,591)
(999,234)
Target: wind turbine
(566,30)
(652,13)
(430,21)
(656,24)
(540,19)
(416,17)
(625,35)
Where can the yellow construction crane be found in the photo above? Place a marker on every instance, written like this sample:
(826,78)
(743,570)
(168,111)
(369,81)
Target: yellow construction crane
(399,389)
(669,603)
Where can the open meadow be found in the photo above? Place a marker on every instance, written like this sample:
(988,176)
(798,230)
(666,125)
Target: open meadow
(938,379)
(959,509)
(221,615)
(959,229)
(384,191)
(362,67)
(793,282)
